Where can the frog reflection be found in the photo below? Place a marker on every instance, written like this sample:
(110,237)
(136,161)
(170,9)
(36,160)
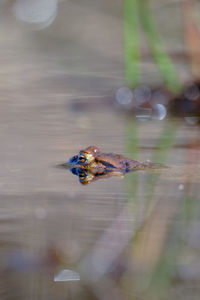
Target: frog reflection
(88,176)
(91,164)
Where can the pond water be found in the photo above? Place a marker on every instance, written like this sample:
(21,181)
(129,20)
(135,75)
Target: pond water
(131,237)
(49,222)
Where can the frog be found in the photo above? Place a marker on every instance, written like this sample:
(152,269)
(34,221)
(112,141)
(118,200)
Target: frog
(91,164)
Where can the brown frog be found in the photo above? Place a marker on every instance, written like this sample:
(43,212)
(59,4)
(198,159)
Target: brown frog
(91,164)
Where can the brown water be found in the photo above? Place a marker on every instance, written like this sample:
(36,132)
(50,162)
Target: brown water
(55,221)
(56,98)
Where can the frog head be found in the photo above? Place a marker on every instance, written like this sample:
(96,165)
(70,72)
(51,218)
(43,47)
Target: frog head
(85,157)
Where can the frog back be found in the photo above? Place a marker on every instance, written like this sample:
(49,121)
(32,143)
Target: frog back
(116,161)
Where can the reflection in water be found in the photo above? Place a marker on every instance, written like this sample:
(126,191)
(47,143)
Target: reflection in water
(67,275)
(124,96)
(187,103)
(92,164)
(141,94)
(25,261)
(86,176)
(160,247)
(41,13)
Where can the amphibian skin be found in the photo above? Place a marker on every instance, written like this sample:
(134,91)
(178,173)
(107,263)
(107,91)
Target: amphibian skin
(93,158)
(91,164)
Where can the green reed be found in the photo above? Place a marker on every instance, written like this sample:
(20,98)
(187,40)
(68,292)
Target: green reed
(136,13)
(131,42)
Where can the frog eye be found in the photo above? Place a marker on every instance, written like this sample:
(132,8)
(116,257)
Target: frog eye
(86,178)
(82,175)
(82,159)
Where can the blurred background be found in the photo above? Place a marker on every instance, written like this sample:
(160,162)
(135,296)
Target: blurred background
(124,76)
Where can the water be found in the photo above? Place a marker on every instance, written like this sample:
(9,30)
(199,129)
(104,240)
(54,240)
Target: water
(137,235)
(49,222)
